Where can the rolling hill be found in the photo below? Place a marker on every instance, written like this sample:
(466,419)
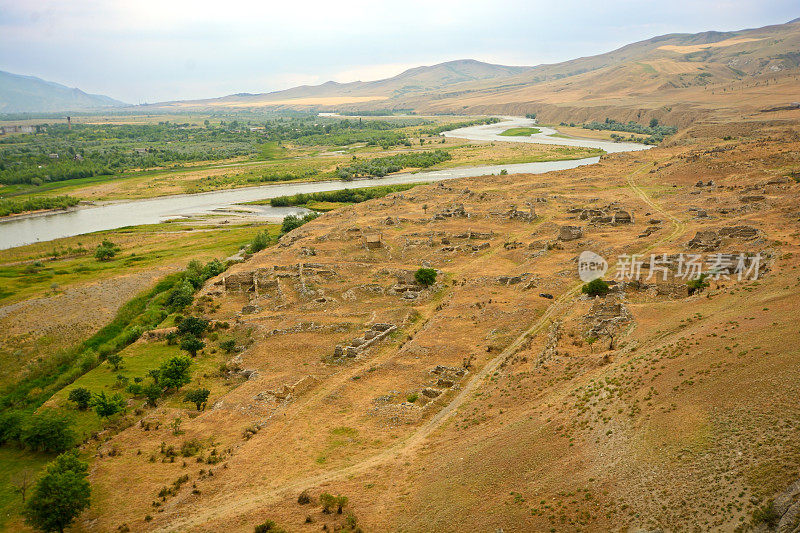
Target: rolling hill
(675,77)
(23,94)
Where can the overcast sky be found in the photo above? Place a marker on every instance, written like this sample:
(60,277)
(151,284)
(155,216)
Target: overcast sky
(155,50)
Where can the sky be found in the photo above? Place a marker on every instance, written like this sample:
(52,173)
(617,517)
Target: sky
(142,51)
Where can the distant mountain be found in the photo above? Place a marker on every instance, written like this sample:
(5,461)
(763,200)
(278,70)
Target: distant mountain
(413,81)
(677,78)
(21,94)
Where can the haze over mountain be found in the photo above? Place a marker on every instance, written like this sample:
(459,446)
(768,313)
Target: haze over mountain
(676,72)
(22,94)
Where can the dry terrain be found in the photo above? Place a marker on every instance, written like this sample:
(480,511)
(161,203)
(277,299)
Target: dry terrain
(499,397)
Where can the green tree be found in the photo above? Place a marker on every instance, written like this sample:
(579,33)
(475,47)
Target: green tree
(152,392)
(60,495)
(260,241)
(199,397)
(193,325)
(653,122)
(181,296)
(175,372)
(81,396)
(228,345)
(425,276)
(697,284)
(115,360)
(192,344)
(596,287)
(106,251)
(48,431)
(106,406)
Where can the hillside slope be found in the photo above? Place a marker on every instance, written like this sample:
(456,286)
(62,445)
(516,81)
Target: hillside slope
(28,94)
(499,397)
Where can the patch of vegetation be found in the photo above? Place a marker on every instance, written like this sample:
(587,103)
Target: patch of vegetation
(10,207)
(520,132)
(596,287)
(425,276)
(655,131)
(697,284)
(344,196)
(291,222)
(381,166)
(458,125)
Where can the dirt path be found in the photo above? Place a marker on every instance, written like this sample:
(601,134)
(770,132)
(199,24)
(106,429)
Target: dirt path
(226,506)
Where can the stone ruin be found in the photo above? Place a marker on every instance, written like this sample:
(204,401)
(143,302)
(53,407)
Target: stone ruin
(372,241)
(710,240)
(288,392)
(606,313)
(358,345)
(570,233)
(263,280)
(607,215)
(452,211)
(550,349)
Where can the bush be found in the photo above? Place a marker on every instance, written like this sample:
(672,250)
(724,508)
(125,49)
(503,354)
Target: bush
(152,391)
(47,431)
(766,515)
(81,396)
(11,423)
(291,222)
(115,360)
(174,372)
(193,325)
(596,287)
(330,502)
(192,344)
(697,284)
(425,276)
(260,241)
(228,345)
(106,251)
(199,397)
(304,498)
(106,406)
(413,397)
(269,527)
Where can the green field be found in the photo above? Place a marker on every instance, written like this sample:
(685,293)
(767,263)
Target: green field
(520,132)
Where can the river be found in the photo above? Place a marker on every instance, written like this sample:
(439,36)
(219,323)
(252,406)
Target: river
(53,225)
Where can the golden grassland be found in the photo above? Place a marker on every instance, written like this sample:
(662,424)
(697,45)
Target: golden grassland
(692,405)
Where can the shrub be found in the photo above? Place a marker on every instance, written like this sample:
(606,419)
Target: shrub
(228,345)
(115,360)
(106,406)
(106,251)
(697,284)
(291,222)
(330,502)
(425,276)
(269,526)
(192,344)
(412,397)
(152,392)
(260,241)
(174,372)
(11,423)
(199,397)
(47,431)
(81,396)
(596,287)
(193,325)
(304,498)
(766,515)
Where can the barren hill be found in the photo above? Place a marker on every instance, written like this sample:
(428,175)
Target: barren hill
(676,78)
